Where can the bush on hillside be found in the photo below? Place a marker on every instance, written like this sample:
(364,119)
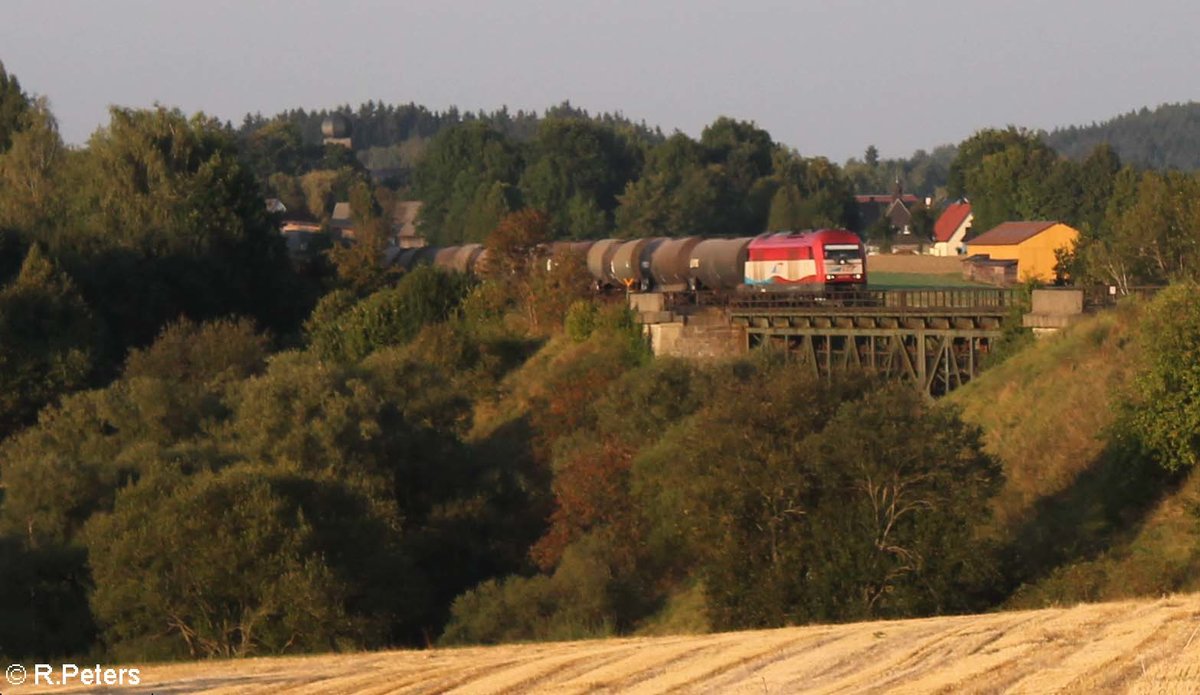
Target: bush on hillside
(345,330)
(858,504)
(249,560)
(1166,416)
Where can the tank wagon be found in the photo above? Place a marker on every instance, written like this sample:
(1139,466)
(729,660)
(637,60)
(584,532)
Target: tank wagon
(811,261)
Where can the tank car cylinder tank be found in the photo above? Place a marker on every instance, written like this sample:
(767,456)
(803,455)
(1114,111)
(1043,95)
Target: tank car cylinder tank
(464,260)
(627,262)
(599,261)
(669,263)
(718,264)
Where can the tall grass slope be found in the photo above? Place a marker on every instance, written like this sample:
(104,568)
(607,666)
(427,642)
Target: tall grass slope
(1084,514)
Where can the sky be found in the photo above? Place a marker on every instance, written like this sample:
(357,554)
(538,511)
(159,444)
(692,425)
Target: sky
(826,77)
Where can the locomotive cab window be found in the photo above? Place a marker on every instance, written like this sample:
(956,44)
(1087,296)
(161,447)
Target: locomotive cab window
(842,253)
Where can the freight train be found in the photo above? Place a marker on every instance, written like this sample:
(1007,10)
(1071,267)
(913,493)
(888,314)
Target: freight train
(808,261)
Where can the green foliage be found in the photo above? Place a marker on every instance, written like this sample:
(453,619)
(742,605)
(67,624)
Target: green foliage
(70,465)
(474,356)
(735,181)
(248,560)
(359,262)
(786,210)
(581,320)
(1166,414)
(394,137)
(275,148)
(678,193)
(43,602)
(222,351)
(904,539)
(974,150)
(31,197)
(924,173)
(857,504)
(13,105)
(345,330)
(1163,138)
(525,276)
(455,179)
(48,340)
(646,401)
(818,194)
(163,220)
(576,169)
(573,603)
(1006,175)
(217,500)
(489,206)
(1014,336)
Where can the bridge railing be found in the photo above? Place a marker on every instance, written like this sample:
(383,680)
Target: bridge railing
(916,299)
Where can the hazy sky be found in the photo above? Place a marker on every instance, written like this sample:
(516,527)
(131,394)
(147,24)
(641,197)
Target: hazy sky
(826,77)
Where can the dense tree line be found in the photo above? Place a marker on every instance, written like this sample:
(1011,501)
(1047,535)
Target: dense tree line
(391,138)
(1164,138)
(596,181)
(593,175)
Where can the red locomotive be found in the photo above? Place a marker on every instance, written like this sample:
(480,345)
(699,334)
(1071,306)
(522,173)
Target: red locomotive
(808,260)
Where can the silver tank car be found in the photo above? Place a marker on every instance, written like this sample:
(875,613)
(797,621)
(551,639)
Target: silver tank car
(444,258)
(718,264)
(669,263)
(464,260)
(631,262)
(599,261)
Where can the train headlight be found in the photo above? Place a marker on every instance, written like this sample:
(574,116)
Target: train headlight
(828,277)
(858,276)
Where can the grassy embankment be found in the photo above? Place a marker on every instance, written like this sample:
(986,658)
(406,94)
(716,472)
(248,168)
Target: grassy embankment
(1083,514)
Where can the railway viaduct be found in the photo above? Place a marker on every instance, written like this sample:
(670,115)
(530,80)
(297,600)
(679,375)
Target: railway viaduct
(935,339)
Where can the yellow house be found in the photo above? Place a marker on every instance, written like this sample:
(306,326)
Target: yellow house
(1030,244)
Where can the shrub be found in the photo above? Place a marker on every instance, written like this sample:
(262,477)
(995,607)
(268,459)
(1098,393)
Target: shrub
(244,561)
(348,331)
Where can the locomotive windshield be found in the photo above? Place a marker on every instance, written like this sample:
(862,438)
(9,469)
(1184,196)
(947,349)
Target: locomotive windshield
(842,254)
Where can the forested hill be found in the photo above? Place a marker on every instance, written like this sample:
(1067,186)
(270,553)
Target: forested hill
(1166,138)
(393,136)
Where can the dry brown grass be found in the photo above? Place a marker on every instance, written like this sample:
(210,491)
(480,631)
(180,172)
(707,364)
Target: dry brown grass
(1044,411)
(1148,646)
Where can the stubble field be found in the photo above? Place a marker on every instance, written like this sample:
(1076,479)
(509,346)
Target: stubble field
(1146,646)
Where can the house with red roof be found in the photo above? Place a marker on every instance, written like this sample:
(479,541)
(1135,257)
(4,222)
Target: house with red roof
(951,229)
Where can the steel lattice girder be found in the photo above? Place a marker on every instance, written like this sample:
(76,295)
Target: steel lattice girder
(934,360)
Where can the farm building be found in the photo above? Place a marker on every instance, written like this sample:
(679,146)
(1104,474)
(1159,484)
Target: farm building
(991,271)
(951,228)
(1031,244)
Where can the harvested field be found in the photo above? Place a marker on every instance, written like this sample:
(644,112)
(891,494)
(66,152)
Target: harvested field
(1136,646)
(907,263)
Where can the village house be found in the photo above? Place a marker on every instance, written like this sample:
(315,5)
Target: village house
(951,228)
(1032,244)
